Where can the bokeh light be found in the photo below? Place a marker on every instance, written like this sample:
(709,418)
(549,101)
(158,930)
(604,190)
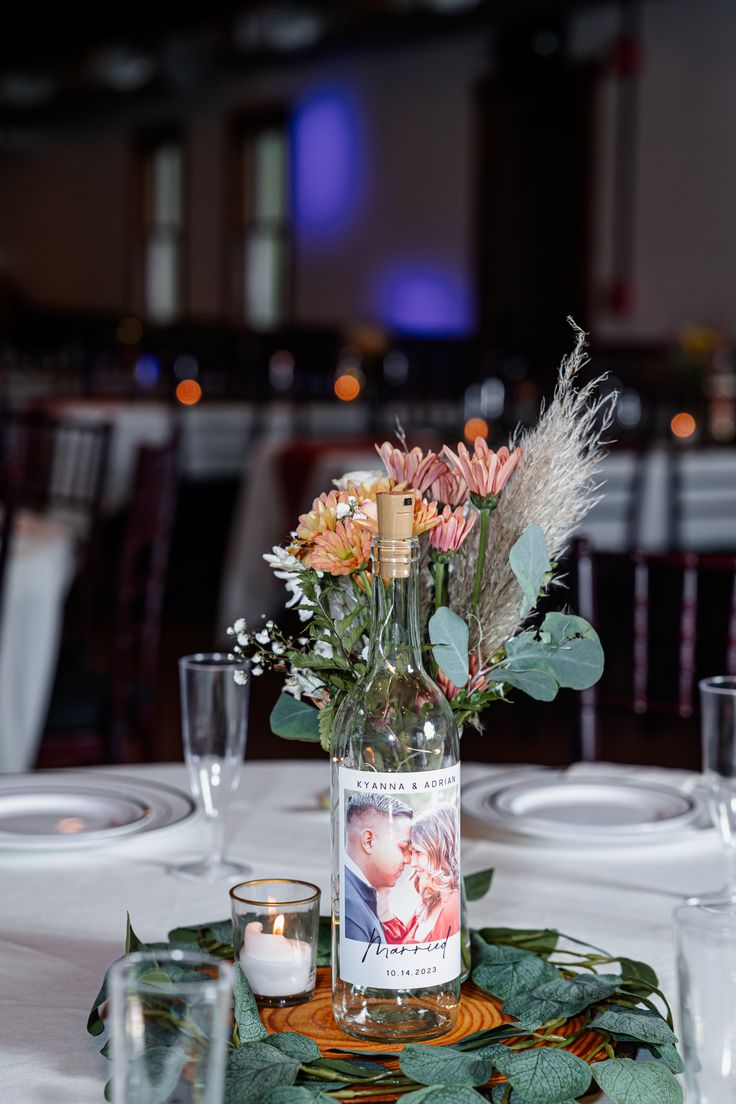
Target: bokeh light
(475,427)
(683,424)
(188,392)
(347,387)
(129,331)
(424,300)
(326,164)
(147,371)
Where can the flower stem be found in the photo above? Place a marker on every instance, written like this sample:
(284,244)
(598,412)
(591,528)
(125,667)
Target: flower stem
(440,585)
(485,521)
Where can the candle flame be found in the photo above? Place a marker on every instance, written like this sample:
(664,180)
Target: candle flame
(278,925)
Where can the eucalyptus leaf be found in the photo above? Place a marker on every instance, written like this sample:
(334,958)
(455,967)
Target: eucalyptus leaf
(132,942)
(508,971)
(254,1070)
(634,1023)
(562,997)
(219,931)
(542,941)
(562,627)
(629,1082)
(542,1075)
(538,684)
(295,720)
(504,1094)
(95,1023)
(577,664)
(478,884)
(669,1054)
(444,1094)
(449,636)
(250,1025)
(297,1046)
(431,1065)
(529,561)
(153,1078)
(631,970)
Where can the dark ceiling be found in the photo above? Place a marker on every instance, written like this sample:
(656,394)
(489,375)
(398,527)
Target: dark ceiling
(66,63)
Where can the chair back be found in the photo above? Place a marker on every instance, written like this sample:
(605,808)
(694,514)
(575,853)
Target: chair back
(141,588)
(665,620)
(63,464)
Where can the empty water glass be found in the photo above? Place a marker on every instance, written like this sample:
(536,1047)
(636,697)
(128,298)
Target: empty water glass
(705,934)
(718,727)
(214,704)
(170,1024)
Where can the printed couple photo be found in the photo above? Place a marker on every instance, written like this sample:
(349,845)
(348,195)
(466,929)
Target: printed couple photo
(401,870)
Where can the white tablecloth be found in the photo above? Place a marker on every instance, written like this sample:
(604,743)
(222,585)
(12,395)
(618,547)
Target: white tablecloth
(63,915)
(39,571)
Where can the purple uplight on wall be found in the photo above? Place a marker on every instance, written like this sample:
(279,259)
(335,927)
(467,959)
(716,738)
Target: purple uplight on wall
(425,300)
(326,169)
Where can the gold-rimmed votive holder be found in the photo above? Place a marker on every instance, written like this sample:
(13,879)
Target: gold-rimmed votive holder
(275,931)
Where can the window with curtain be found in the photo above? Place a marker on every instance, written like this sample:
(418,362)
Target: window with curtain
(260,284)
(163,228)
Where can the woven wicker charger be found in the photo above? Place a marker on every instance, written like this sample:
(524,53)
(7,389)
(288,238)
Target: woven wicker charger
(478,1012)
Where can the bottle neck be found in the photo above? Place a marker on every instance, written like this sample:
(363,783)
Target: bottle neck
(395,635)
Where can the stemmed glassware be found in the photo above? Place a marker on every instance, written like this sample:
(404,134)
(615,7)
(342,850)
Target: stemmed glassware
(718,725)
(214,704)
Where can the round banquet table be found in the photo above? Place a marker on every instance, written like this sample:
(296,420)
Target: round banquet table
(39,571)
(63,914)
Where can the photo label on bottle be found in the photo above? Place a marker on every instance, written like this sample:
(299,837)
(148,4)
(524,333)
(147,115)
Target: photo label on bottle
(400,878)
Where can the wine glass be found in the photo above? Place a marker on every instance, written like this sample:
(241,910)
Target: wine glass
(214,704)
(718,727)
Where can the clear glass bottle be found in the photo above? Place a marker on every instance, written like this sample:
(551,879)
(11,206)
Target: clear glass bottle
(396,955)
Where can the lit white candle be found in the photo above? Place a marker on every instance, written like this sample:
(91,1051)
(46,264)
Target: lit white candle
(274,965)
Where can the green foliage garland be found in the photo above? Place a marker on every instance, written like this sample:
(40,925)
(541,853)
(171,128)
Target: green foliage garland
(542,982)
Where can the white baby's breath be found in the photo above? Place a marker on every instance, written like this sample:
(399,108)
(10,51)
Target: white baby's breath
(239,625)
(278,649)
(241,677)
(256,671)
(301,681)
(289,569)
(262,637)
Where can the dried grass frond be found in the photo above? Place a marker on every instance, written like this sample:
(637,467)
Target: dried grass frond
(554,486)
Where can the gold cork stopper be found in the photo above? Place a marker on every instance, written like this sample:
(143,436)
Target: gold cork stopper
(395,528)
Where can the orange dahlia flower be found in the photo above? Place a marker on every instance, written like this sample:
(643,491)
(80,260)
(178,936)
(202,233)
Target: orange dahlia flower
(343,551)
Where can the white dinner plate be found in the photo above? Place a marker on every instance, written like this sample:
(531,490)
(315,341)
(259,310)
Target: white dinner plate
(548,804)
(57,810)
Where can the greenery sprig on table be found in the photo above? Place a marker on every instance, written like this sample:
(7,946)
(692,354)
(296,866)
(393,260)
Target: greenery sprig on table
(543,977)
